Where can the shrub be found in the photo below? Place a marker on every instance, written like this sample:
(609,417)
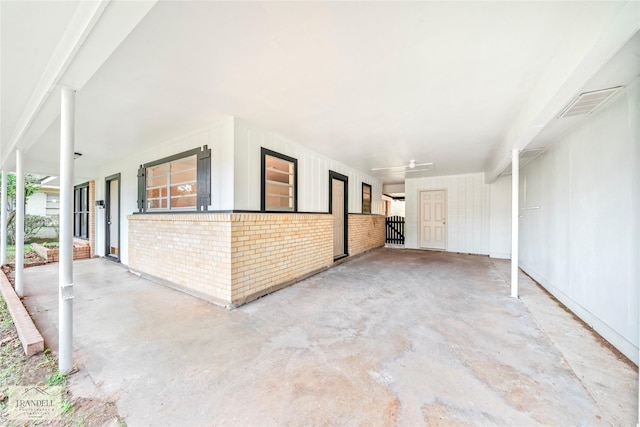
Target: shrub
(32,224)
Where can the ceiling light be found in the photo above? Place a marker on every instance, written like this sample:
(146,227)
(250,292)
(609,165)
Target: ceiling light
(412,164)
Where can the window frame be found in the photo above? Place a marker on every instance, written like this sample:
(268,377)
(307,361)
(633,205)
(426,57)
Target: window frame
(53,205)
(203,181)
(78,214)
(369,186)
(165,182)
(264,152)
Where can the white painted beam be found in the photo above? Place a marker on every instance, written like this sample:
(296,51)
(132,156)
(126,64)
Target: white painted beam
(95,32)
(77,31)
(65,264)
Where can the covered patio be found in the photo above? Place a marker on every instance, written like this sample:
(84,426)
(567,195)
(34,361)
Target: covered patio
(394,336)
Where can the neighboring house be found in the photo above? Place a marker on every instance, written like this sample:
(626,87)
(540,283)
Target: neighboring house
(231,160)
(44,202)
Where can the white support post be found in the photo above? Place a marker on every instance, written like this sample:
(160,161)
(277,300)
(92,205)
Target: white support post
(515,212)
(65,265)
(3,219)
(19,265)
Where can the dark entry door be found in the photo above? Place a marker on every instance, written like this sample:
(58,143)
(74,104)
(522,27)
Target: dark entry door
(112,215)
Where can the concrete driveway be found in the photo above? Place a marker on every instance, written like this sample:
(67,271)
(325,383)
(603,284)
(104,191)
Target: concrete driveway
(395,337)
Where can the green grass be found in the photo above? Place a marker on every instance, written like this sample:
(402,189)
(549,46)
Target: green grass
(56,379)
(5,317)
(66,406)
(11,367)
(11,250)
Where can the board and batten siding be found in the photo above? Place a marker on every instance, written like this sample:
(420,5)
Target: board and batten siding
(500,221)
(313,172)
(582,241)
(219,137)
(468,200)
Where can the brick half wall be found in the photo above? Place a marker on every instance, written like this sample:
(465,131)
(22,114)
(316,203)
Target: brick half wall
(366,232)
(191,252)
(272,251)
(230,259)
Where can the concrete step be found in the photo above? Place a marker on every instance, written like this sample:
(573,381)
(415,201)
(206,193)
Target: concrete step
(31,340)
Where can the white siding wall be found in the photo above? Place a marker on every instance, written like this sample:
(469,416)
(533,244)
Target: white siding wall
(500,221)
(218,137)
(313,172)
(36,204)
(468,200)
(582,245)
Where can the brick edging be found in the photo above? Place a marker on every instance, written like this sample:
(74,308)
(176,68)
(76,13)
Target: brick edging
(30,337)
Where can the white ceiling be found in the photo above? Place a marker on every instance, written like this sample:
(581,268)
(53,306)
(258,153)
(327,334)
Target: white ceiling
(369,84)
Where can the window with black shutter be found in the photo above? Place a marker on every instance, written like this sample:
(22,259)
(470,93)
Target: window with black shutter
(177,183)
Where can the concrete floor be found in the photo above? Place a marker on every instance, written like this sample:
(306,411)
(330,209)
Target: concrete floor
(394,337)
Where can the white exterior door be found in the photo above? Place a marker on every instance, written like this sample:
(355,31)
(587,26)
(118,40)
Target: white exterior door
(433,219)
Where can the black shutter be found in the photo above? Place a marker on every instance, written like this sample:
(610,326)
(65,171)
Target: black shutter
(142,189)
(204,179)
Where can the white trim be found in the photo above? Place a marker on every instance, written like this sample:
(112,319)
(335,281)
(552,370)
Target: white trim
(500,255)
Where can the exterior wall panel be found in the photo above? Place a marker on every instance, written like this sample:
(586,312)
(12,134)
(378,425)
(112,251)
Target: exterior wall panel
(582,244)
(313,172)
(500,218)
(468,200)
(218,137)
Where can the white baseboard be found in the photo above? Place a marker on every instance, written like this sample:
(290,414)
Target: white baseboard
(500,255)
(618,341)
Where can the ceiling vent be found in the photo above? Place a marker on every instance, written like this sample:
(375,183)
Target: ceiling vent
(530,153)
(588,102)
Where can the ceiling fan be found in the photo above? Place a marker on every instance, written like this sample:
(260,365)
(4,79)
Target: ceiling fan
(412,165)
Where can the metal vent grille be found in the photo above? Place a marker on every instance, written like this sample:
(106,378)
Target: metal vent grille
(531,153)
(588,102)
